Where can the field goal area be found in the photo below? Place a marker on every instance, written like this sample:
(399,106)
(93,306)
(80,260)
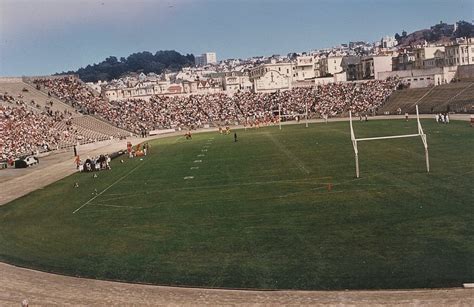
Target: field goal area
(420,134)
(299,115)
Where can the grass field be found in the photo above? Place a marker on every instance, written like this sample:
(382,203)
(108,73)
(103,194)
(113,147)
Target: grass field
(258,213)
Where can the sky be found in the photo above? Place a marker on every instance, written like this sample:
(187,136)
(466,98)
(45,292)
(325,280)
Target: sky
(40,37)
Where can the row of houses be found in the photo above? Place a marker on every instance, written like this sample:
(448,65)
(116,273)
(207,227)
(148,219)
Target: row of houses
(420,66)
(144,87)
(430,56)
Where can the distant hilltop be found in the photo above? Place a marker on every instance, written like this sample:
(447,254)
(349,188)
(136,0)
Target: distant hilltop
(147,62)
(440,33)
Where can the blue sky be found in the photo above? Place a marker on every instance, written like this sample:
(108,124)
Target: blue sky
(46,36)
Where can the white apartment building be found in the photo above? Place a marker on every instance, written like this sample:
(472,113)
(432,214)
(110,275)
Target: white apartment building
(436,61)
(272,77)
(236,81)
(206,59)
(423,53)
(371,66)
(330,65)
(305,68)
(142,90)
(459,53)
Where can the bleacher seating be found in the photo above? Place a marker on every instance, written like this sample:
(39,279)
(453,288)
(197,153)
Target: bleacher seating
(67,127)
(453,97)
(41,99)
(404,99)
(93,124)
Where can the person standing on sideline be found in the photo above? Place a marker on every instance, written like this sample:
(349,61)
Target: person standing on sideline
(77,161)
(406,116)
(235,136)
(446,118)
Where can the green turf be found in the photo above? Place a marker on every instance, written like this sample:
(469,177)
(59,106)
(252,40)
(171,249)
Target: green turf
(258,213)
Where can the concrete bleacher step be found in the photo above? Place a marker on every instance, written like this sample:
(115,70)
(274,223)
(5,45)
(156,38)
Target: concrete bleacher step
(16,88)
(91,123)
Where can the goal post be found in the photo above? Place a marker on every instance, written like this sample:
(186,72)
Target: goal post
(293,115)
(420,134)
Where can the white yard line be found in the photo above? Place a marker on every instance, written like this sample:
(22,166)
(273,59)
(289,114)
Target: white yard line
(177,139)
(116,206)
(117,181)
(296,181)
(288,153)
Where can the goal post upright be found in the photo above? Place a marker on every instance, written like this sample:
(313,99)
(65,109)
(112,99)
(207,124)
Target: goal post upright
(299,116)
(420,134)
(306,104)
(354,145)
(279,115)
(423,139)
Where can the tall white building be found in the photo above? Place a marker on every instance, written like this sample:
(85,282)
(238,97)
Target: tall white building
(461,53)
(330,65)
(371,66)
(205,59)
(388,42)
(305,68)
(423,53)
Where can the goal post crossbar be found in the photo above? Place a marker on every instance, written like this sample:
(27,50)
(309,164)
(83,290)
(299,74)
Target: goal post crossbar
(420,134)
(389,137)
(293,115)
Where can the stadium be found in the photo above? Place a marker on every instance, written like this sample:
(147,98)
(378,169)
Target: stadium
(277,208)
(354,192)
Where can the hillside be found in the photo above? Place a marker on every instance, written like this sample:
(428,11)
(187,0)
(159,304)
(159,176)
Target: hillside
(113,68)
(440,33)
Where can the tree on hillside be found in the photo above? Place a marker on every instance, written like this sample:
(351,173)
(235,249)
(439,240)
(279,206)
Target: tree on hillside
(112,68)
(465,29)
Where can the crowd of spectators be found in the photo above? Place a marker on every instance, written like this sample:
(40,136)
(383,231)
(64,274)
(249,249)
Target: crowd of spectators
(74,92)
(26,130)
(220,109)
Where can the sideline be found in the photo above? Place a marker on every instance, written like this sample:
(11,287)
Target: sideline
(40,288)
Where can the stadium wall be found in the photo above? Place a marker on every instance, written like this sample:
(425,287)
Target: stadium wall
(10,79)
(32,78)
(418,78)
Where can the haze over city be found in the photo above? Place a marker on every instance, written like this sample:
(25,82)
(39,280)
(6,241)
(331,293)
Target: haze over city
(45,37)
